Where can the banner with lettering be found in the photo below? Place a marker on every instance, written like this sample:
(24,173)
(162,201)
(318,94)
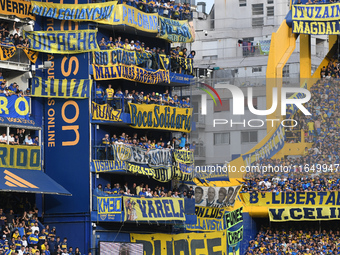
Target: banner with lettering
(105,112)
(101,166)
(131,73)
(292,199)
(216,196)
(18,8)
(14,107)
(95,12)
(153,209)
(151,116)
(63,42)
(31,54)
(109,208)
(234,217)
(132,17)
(120,56)
(175,30)
(20,157)
(193,243)
(304,213)
(61,88)
(185,63)
(138,155)
(316,19)
(208,219)
(184,156)
(7,52)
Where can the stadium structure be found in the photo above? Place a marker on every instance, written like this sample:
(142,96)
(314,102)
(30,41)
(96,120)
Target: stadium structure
(82,148)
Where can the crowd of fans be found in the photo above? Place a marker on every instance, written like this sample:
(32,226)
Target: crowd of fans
(12,89)
(305,241)
(119,99)
(22,233)
(12,35)
(154,62)
(19,138)
(142,191)
(167,9)
(295,183)
(142,142)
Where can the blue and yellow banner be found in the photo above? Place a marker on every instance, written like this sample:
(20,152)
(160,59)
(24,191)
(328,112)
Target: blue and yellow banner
(31,54)
(96,12)
(175,30)
(14,107)
(105,112)
(100,166)
(165,61)
(132,17)
(63,42)
(149,116)
(7,52)
(154,209)
(18,8)
(120,56)
(184,156)
(61,88)
(292,199)
(235,237)
(131,73)
(316,19)
(185,63)
(269,149)
(304,213)
(20,157)
(108,208)
(193,243)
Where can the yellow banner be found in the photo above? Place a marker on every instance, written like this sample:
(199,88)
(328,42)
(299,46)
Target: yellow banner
(184,156)
(209,212)
(61,88)
(106,13)
(7,52)
(130,16)
(105,112)
(18,8)
(206,224)
(153,209)
(61,42)
(175,30)
(152,116)
(304,213)
(31,54)
(234,217)
(96,12)
(193,243)
(20,156)
(284,199)
(131,73)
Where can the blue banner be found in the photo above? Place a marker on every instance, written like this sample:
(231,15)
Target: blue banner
(14,106)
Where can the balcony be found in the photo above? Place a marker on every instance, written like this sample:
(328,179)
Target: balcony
(19,61)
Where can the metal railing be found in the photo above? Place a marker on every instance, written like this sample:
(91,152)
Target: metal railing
(19,56)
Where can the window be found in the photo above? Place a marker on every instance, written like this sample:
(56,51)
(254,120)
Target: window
(256,69)
(242,3)
(221,138)
(270,11)
(285,71)
(249,137)
(270,1)
(257,9)
(257,22)
(221,108)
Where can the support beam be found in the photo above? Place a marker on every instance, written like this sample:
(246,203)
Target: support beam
(305,57)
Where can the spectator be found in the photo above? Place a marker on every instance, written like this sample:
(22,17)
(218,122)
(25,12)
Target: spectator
(3,138)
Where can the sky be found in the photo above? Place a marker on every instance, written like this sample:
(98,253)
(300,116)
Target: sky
(209,4)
